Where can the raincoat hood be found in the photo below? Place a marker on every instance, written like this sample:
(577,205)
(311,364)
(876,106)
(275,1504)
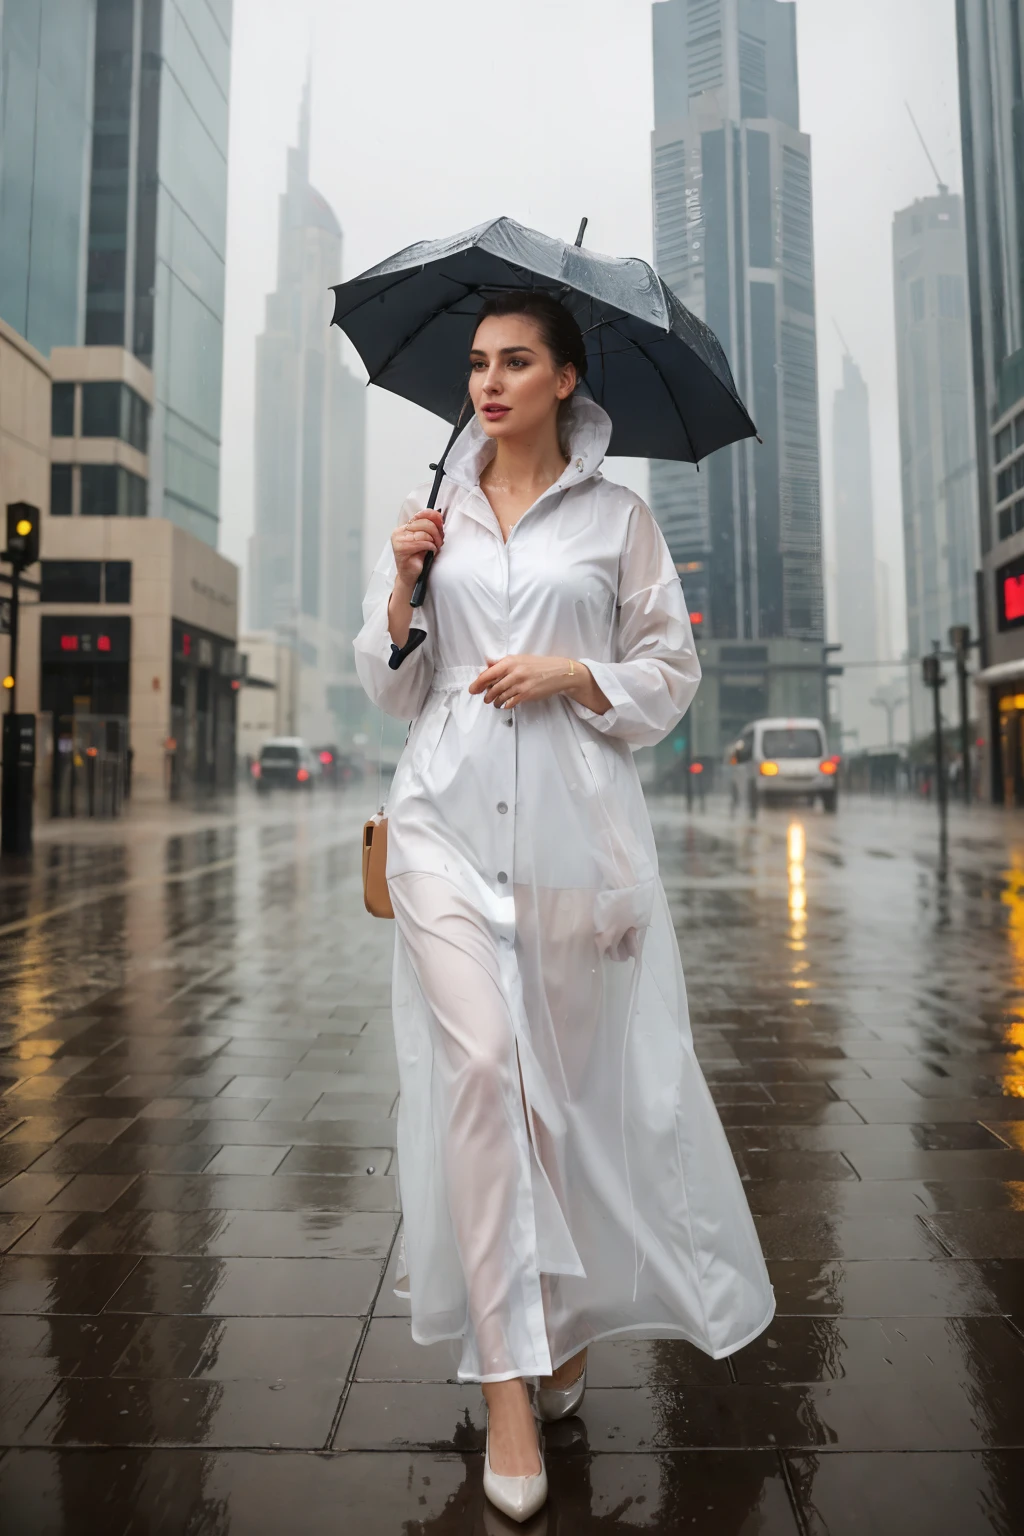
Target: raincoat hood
(588,432)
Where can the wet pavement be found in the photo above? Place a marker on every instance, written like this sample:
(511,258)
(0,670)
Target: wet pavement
(198,1208)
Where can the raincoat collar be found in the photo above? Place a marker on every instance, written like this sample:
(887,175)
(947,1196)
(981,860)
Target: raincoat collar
(589,433)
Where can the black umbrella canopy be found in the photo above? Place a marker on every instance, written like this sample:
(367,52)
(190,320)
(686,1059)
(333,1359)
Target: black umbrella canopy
(658,371)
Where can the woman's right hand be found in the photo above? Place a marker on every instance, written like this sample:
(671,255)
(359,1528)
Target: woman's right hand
(413,540)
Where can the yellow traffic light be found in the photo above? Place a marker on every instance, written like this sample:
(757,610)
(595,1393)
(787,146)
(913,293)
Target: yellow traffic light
(8,681)
(23,527)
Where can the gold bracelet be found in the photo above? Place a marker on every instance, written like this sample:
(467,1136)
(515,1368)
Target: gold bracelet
(572,668)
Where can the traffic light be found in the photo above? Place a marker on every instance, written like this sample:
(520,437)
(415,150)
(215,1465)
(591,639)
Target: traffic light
(22,534)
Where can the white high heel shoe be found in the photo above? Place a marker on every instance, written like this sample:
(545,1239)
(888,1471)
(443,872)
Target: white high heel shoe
(517,1497)
(553,1403)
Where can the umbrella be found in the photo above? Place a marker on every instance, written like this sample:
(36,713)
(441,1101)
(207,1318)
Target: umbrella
(658,370)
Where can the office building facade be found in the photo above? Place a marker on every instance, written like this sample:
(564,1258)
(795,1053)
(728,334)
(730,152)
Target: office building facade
(46,90)
(111,265)
(990,37)
(731,176)
(936,418)
(306,551)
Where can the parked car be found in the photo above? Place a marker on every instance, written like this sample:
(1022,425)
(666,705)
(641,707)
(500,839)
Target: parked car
(781,759)
(285,763)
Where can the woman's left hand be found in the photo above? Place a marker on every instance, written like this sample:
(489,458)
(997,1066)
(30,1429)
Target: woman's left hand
(513,680)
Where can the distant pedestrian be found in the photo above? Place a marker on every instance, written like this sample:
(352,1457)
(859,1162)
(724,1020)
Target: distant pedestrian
(564,1174)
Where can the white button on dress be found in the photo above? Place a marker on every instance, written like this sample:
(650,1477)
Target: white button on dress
(564,1174)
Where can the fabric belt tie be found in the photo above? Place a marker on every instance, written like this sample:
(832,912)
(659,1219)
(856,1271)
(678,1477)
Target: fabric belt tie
(447,679)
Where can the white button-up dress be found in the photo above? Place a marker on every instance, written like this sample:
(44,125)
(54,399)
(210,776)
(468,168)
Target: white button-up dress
(564,1175)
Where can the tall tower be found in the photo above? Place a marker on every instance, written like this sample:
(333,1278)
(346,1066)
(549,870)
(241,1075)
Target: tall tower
(158,230)
(306,552)
(857,620)
(933,373)
(990,38)
(731,178)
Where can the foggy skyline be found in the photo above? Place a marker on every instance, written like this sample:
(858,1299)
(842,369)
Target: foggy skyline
(427,141)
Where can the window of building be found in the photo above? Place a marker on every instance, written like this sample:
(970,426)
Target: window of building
(117,581)
(1004,442)
(917,299)
(1018,427)
(101,409)
(1018,515)
(62,410)
(951,296)
(110,491)
(71,581)
(60,490)
(1006,522)
(112,409)
(1018,474)
(1004,484)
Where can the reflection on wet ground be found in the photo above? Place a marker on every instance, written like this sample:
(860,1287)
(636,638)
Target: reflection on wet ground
(198,1208)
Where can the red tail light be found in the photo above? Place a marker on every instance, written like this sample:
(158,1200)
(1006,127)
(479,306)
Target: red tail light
(327,757)
(255,770)
(302,775)
(829,765)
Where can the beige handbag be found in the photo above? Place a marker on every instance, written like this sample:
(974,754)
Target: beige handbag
(376,897)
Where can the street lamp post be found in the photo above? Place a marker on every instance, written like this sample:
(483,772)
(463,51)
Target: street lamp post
(931,671)
(960,640)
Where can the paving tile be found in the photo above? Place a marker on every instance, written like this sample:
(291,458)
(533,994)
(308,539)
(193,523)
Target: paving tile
(63,1283)
(970,1350)
(20,1400)
(31,1191)
(222,1234)
(423,1416)
(14,1227)
(249,1287)
(62,1346)
(255,1160)
(85,1411)
(337,1160)
(980,1234)
(941,1288)
(91,1192)
(887,1494)
(243,1192)
(242,1348)
(825,1236)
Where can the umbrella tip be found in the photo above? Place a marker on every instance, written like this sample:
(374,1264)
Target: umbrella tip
(432,466)
(582,230)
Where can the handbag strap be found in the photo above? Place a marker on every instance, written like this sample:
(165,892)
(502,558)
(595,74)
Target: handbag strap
(380,767)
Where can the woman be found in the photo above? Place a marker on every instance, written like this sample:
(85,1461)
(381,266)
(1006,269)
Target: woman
(564,1174)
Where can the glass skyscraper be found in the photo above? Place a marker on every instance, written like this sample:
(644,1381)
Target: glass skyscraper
(46,84)
(113,208)
(733,238)
(157,229)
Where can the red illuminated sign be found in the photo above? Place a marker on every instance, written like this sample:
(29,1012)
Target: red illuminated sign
(186,645)
(103,642)
(696,618)
(1013,598)
(69,642)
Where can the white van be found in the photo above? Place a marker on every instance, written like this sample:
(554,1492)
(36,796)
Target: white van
(782,759)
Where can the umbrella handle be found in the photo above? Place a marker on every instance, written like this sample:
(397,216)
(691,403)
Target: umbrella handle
(419,591)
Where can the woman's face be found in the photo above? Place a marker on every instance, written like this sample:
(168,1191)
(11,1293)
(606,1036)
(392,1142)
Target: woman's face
(514,384)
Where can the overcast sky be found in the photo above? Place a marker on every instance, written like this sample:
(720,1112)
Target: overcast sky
(431,118)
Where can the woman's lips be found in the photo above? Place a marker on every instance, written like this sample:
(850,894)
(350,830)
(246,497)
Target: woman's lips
(496,411)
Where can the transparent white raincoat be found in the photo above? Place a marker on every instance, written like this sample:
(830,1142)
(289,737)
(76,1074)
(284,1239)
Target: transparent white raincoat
(564,1174)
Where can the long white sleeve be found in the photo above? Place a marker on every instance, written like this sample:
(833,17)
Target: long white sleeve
(656,672)
(400,692)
